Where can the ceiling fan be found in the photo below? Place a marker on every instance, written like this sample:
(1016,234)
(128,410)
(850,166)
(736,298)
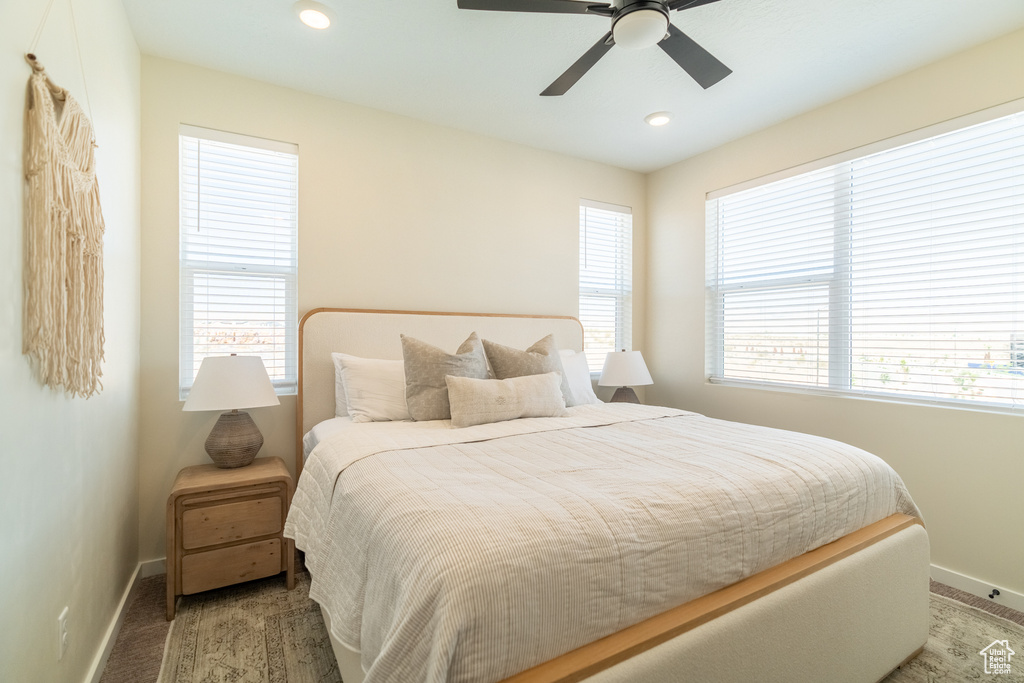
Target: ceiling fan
(635,24)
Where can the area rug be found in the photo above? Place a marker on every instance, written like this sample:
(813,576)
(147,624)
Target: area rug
(259,632)
(256,632)
(956,636)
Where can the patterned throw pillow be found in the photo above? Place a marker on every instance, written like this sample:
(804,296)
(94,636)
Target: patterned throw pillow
(540,358)
(426,366)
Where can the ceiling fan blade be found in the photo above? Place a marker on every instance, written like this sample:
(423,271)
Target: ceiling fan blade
(548,6)
(687,4)
(695,60)
(582,66)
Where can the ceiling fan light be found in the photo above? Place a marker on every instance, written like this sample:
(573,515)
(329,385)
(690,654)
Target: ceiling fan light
(640,29)
(313,14)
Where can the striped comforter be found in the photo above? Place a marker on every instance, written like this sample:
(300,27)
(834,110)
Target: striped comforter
(471,554)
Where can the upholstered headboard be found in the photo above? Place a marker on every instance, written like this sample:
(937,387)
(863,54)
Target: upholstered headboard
(375,334)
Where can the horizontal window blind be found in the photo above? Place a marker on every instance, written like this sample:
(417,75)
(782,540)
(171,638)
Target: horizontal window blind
(238,252)
(899,273)
(606,279)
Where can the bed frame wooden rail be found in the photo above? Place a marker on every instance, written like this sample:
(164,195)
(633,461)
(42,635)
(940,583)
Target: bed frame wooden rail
(601,654)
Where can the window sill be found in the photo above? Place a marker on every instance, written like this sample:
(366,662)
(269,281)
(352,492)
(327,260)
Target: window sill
(976,407)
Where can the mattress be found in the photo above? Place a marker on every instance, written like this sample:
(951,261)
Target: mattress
(471,554)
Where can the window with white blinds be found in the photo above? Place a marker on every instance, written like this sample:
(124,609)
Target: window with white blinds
(238,252)
(896,274)
(606,279)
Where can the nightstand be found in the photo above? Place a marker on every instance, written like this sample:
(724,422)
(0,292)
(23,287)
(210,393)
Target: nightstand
(225,526)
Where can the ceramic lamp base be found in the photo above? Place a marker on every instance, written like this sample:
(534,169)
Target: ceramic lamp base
(234,441)
(624,395)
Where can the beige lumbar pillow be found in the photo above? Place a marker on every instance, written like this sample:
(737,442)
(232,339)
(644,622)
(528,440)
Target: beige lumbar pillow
(426,366)
(481,401)
(540,358)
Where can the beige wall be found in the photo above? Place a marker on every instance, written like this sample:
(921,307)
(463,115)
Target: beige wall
(393,213)
(963,468)
(68,466)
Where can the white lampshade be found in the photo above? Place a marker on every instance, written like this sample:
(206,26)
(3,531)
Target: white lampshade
(231,383)
(639,29)
(625,369)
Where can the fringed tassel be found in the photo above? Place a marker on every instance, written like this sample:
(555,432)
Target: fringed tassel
(63,315)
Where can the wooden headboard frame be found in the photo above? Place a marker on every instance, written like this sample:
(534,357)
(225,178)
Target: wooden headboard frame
(375,334)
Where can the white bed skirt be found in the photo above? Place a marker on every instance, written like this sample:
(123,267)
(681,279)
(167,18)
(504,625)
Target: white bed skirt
(854,620)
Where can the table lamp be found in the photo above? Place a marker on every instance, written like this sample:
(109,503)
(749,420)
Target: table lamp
(624,369)
(232,383)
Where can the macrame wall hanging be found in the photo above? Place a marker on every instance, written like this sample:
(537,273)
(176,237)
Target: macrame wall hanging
(63,276)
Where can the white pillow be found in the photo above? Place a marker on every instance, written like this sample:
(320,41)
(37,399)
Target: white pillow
(374,389)
(578,373)
(481,401)
(340,400)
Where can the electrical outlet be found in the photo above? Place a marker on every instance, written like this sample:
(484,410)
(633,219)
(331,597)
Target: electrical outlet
(62,634)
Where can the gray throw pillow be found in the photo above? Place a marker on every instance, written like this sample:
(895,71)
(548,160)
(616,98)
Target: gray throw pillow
(426,366)
(540,358)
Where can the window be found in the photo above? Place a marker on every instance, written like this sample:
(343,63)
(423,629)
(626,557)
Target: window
(606,279)
(898,273)
(238,253)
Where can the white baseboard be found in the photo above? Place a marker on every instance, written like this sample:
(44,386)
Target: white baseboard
(152,568)
(969,584)
(100,661)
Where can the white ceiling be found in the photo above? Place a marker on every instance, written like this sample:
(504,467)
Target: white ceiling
(483,71)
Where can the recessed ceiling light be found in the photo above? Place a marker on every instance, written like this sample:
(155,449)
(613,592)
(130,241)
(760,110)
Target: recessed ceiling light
(658,118)
(313,14)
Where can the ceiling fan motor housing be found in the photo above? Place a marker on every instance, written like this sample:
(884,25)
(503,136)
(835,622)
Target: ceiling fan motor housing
(640,24)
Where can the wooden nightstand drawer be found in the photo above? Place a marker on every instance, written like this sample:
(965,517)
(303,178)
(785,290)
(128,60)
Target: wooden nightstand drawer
(226,566)
(218,524)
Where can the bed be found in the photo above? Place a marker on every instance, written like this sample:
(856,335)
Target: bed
(833,586)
